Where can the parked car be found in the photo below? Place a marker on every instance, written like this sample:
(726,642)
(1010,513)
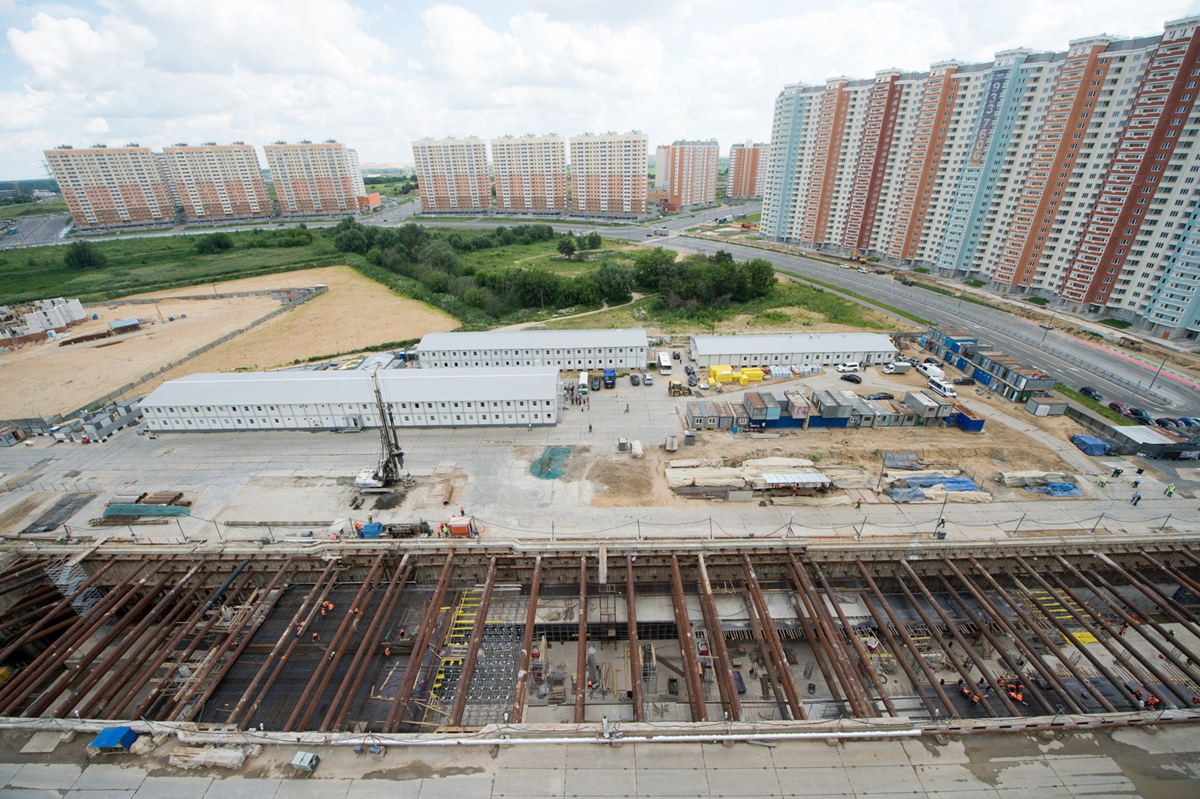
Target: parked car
(852,378)
(596,383)
(692,380)
(689,369)
(852,366)
(648,379)
(933,361)
(1046,326)
(844,266)
(1092,394)
(1119,407)
(906,282)
(880,395)
(677,355)
(635,380)
(964,381)
(1188,421)
(881,271)
(1141,416)
(1168,422)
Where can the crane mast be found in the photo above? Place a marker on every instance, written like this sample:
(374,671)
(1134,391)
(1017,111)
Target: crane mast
(391,456)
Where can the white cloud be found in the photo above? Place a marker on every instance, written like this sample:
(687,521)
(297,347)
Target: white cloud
(97,126)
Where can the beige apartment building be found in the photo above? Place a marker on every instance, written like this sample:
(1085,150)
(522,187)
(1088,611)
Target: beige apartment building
(215,182)
(530,173)
(608,174)
(111,186)
(452,174)
(315,179)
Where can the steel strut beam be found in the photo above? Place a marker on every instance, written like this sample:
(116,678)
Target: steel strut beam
(62,606)
(462,690)
(216,668)
(417,658)
(518,707)
(687,644)
(1162,604)
(1098,631)
(712,623)
(1174,572)
(783,669)
(1030,654)
(273,665)
(898,653)
(339,708)
(635,646)
(118,678)
(1193,620)
(94,675)
(43,667)
(1098,664)
(1013,666)
(863,657)
(918,658)
(155,659)
(947,648)
(581,649)
(839,660)
(309,699)
(816,642)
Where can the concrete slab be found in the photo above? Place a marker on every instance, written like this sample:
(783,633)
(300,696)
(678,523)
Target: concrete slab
(41,743)
(533,782)
(241,788)
(1025,774)
(107,793)
(174,788)
(948,777)
(550,756)
(600,782)
(686,756)
(740,782)
(601,757)
(926,751)
(31,793)
(105,776)
(738,756)
(881,779)
(457,787)
(873,753)
(51,776)
(671,782)
(312,788)
(7,772)
(383,789)
(805,781)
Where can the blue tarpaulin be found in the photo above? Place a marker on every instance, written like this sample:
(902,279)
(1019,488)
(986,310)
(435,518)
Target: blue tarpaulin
(114,739)
(1056,490)
(906,494)
(949,483)
(1090,445)
(146,510)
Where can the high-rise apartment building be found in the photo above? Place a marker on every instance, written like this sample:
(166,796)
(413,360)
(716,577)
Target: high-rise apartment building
(315,179)
(662,168)
(608,174)
(215,182)
(111,186)
(747,169)
(452,174)
(1067,175)
(691,173)
(530,173)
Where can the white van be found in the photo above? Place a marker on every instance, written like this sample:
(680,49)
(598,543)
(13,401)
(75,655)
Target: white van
(942,387)
(852,366)
(931,371)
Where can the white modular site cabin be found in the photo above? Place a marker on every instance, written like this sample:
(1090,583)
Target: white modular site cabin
(793,349)
(304,400)
(564,350)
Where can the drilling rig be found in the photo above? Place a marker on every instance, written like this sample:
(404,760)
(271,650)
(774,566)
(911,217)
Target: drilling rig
(391,457)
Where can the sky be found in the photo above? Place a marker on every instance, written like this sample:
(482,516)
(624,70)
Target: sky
(376,75)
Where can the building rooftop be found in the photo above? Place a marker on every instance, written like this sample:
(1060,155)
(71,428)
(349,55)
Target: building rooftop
(396,385)
(534,339)
(793,342)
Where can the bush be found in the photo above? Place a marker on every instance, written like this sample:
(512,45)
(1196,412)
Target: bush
(920,270)
(1119,324)
(214,243)
(1039,301)
(974,283)
(873,260)
(83,255)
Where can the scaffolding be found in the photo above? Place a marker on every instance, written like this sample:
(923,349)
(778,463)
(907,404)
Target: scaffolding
(68,576)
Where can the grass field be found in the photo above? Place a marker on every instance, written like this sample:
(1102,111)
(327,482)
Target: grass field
(544,255)
(44,208)
(145,264)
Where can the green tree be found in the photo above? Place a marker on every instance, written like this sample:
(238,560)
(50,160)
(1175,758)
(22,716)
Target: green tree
(615,282)
(439,255)
(566,246)
(352,240)
(83,255)
(594,242)
(650,265)
(214,243)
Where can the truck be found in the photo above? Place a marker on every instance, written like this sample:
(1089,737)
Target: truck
(610,378)
(661,231)
(897,368)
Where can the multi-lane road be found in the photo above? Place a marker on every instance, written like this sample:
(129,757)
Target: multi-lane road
(32,231)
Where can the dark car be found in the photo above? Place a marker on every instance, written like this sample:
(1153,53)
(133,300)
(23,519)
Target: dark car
(692,380)
(852,378)
(1143,417)
(880,395)
(635,380)
(676,355)
(906,282)
(1119,407)
(1091,394)
(689,369)
(1168,422)
(595,382)
(964,381)
(1188,421)
(933,361)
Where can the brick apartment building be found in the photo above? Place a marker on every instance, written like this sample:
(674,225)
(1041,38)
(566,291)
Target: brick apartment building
(315,179)
(747,166)
(691,173)
(530,173)
(608,174)
(452,174)
(216,182)
(108,187)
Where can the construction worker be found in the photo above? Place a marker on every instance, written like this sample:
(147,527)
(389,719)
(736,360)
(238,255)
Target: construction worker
(387,651)
(316,637)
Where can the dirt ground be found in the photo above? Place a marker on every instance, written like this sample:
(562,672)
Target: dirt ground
(44,379)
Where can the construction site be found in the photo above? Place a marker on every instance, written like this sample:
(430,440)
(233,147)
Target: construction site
(424,636)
